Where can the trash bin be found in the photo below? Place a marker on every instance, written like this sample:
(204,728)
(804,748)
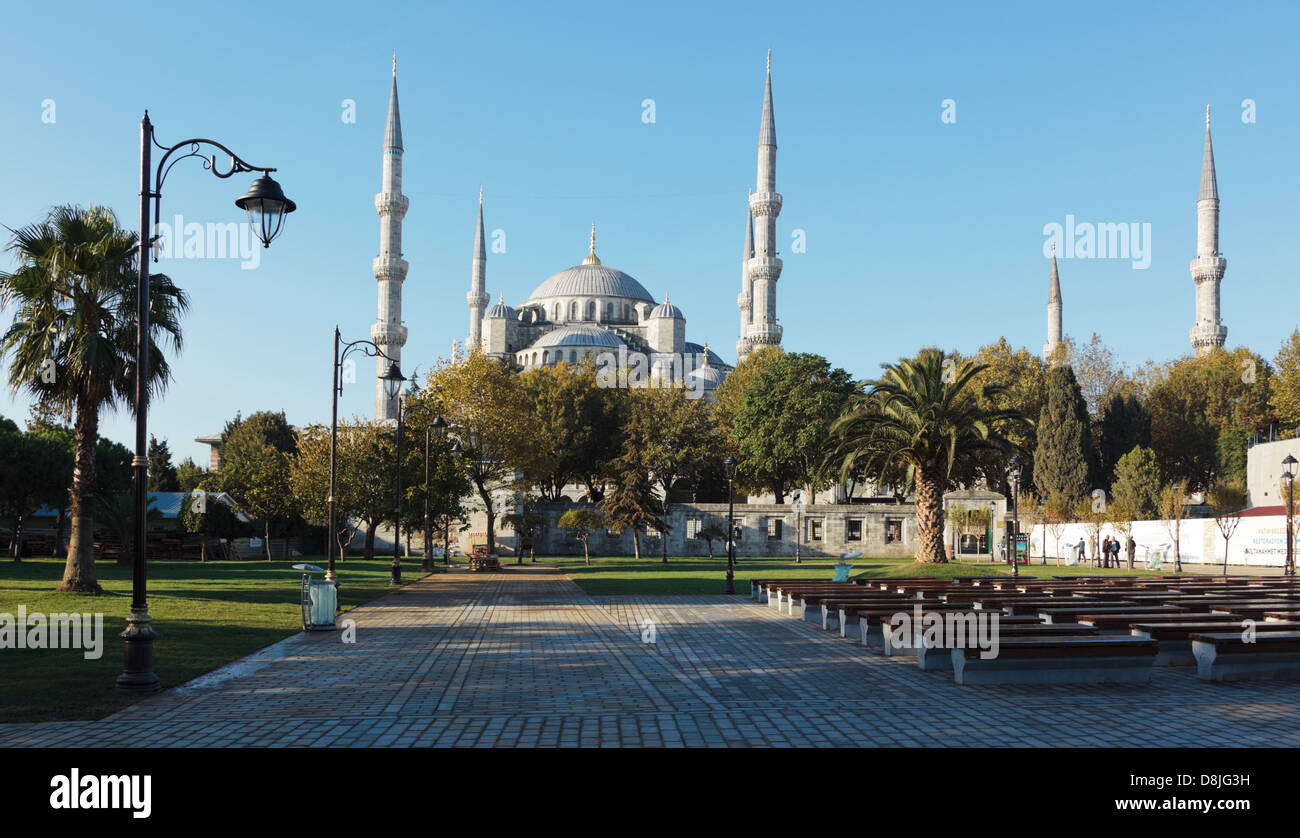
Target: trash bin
(319,600)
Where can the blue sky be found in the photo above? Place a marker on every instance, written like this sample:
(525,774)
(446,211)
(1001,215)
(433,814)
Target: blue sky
(918,232)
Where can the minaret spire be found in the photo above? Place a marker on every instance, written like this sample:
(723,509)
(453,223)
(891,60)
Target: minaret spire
(745,300)
(390,268)
(765,204)
(1054,331)
(477,296)
(1209,266)
(592,259)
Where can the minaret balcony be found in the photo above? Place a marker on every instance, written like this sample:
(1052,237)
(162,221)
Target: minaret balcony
(765,203)
(765,267)
(387,268)
(1207,335)
(1208,267)
(392,203)
(763,334)
(479,300)
(388,334)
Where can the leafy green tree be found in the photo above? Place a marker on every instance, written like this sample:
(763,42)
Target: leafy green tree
(630,503)
(162,474)
(577,428)
(73,339)
(580,523)
(1064,462)
(255,457)
(1227,499)
(33,467)
(730,395)
(1196,399)
(1138,483)
(364,479)
(669,437)
(1285,391)
(927,413)
(1125,424)
(1018,381)
(781,431)
(1100,376)
(710,534)
(188,475)
(488,413)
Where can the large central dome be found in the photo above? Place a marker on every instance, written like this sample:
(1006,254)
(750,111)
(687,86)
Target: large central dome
(591,281)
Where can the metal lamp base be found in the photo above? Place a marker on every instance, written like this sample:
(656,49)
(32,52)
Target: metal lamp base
(138,675)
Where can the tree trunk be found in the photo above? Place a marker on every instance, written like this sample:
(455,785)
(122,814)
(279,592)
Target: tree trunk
(586,554)
(370,540)
(486,497)
(929,516)
(636,545)
(79,570)
(266,543)
(16,549)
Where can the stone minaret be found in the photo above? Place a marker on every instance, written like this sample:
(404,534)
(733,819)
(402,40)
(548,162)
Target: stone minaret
(1208,266)
(1053,311)
(765,204)
(745,299)
(388,333)
(477,296)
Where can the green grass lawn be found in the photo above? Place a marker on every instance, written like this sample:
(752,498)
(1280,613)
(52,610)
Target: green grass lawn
(608,576)
(206,615)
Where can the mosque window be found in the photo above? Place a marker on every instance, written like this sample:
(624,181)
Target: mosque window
(774,529)
(591,309)
(853,529)
(893,530)
(627,311)
(609,311)
(693,527)
(814,529)
(573,310)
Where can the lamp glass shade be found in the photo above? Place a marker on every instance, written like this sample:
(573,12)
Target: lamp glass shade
(266,206)
(392,379)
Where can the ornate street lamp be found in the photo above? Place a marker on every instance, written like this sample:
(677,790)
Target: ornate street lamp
(269,203)
(341,352)
(393,379)
(729,466)
(1289,473)
(1014,468)
(456,452)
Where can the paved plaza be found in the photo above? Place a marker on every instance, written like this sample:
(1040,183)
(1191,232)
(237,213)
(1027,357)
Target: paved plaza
(523,658)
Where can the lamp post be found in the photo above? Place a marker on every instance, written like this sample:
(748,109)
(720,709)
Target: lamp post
(438,427)
(341,352)
(393,379)
(1289,472)
(455,452)
(729,465)
(1016,465)
(266,206)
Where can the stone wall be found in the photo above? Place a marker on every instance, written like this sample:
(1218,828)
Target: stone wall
(765,530)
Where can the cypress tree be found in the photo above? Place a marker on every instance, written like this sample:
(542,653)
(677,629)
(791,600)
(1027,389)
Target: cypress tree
(1064,463)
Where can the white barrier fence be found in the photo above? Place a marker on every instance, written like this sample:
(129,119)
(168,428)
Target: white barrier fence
(1257,541)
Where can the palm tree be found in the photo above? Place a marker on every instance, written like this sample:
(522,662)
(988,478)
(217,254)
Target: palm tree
(923,419)
(73,340)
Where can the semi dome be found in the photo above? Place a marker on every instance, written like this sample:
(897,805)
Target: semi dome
(578,336)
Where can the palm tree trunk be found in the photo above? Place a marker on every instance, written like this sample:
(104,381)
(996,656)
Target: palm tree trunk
(929,516)
(79,570)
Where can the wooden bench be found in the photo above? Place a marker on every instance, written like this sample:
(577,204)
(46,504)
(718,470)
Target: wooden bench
(1226,656)
(1070,614)
(871,618)
(937,657)
(831,609)
(758,587)
(1175,637)
(1059,660)
(1122,622)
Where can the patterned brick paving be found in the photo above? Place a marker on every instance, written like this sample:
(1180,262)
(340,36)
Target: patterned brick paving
(523,658)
